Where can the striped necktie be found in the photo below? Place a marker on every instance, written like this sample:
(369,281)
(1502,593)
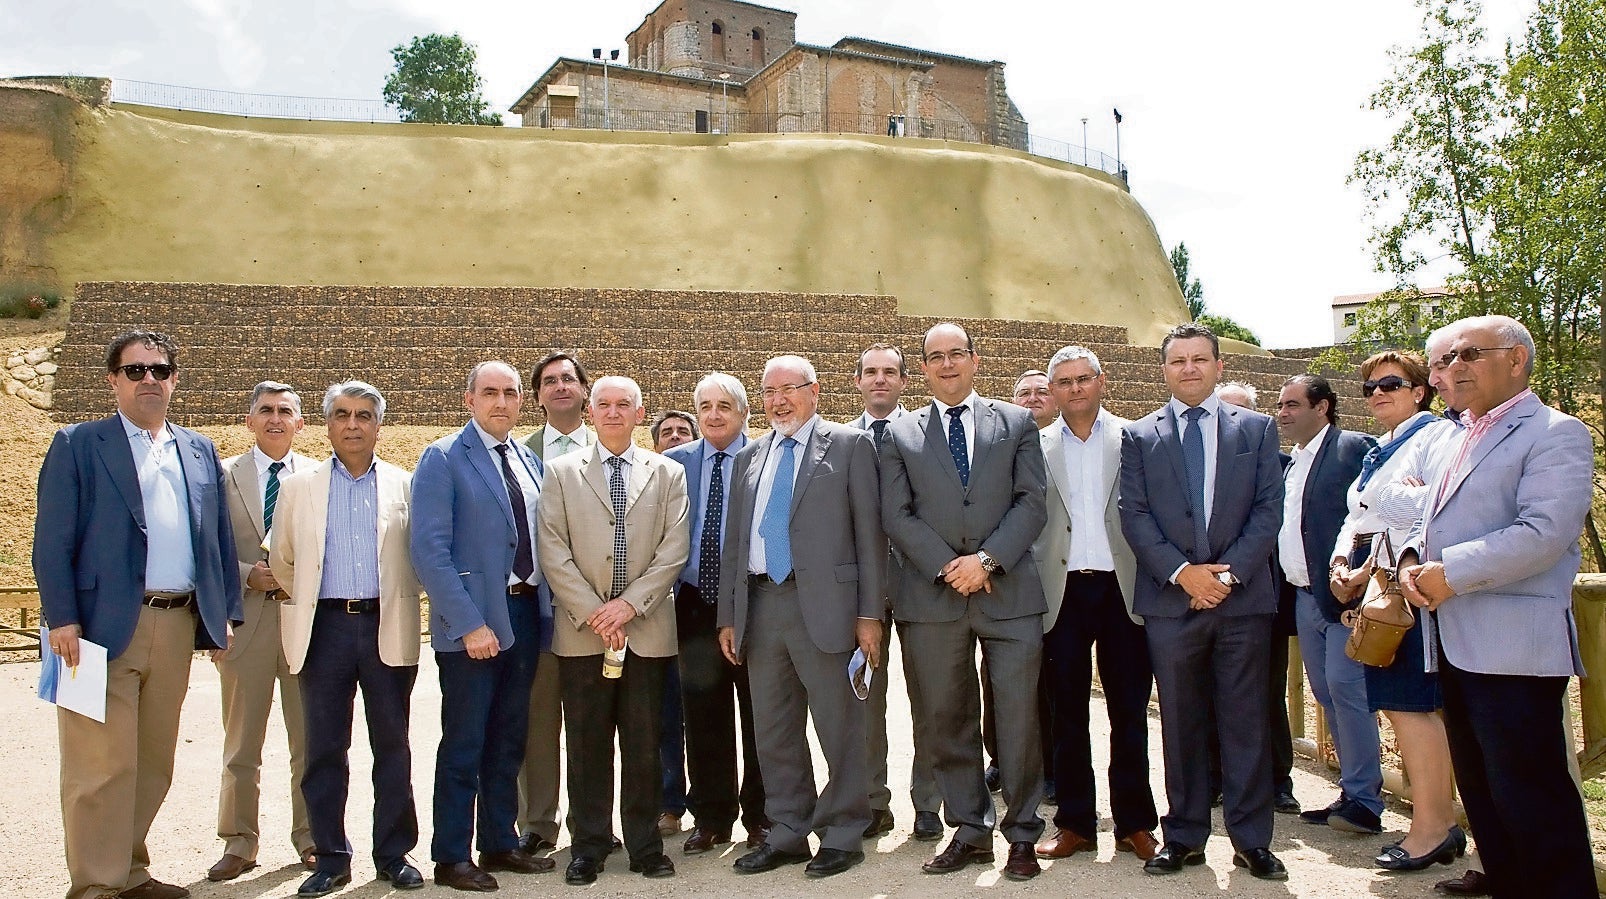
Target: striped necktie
(270,495)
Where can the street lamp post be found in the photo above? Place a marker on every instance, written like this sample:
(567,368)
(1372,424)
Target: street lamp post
(1084,140)
(724,98)
(1120,170)
(613,56)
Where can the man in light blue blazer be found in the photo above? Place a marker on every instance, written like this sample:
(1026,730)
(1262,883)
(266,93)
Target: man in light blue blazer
(475,500)
(133,550)
(1201,504)
(1500,544)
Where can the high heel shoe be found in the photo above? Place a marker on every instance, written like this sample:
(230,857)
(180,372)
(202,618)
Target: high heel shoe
(1395,858)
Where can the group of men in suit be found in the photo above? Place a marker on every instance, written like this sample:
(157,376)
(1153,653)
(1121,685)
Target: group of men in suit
(773,568)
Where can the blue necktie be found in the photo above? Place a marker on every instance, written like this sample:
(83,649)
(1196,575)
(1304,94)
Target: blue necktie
(1193,458)
(775,526)
(956,444)
(880,428)
(708,546)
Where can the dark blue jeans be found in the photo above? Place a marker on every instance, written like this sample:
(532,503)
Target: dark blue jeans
(485,715)
(343,655)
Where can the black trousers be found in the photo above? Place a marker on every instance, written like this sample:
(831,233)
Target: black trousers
(595,710)
(711,690)
(1093,612)
(1508,744)
(1278,732)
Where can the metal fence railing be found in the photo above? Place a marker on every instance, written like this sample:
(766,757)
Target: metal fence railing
(270,106)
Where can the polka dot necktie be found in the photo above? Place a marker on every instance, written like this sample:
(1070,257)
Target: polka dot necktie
(708,546)
(616,492)
(956,444)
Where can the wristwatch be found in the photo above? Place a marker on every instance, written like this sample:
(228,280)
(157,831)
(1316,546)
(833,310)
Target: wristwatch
(988,563)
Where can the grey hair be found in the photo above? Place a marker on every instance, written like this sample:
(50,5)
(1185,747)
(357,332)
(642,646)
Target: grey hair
(793,362)
(729,384)
(474,373)
(267,387)
(359,389)
(1247,388)
(628,384)
(1511,331)
(1070,353)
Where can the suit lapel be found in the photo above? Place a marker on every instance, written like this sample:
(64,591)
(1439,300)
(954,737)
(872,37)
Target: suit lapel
(1315,467)
(937,442)
(988,430)
(819,442)
(192,458)
(1054,456)
(1170,437)
(244,476)
(1502,429)
(489,470)
(596,477)
(320,502)
(118,458)
(1226,456)
(1112,456)
(640,474)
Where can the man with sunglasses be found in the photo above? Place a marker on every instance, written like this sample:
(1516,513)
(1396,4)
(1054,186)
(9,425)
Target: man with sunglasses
(1499,549)
(134,551)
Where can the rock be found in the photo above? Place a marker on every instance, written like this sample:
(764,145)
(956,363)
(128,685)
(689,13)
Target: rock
(37,355)
(14,360)
(23,373)
(45,368)
(12,385)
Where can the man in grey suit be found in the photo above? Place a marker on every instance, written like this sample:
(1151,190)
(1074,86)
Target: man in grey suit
(962,501)
(1201,503)
(1088,572)
(1500,550)
(880,377)
(800,589)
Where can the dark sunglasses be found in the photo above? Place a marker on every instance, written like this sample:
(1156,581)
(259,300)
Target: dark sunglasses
(1467,354)
(1387,384)
(136,371)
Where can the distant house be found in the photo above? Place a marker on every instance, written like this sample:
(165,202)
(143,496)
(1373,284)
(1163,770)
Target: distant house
(1346,310)
(724,66)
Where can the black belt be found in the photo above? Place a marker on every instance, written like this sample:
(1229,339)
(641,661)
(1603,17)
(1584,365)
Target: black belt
(159,599)
(523,590)
(363,606)
(764,578)
(1087,572)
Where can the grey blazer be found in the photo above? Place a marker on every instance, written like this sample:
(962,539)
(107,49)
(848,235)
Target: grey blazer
(1053,547)
(1246,514)
(838,552)
(931,518)
(1507,532)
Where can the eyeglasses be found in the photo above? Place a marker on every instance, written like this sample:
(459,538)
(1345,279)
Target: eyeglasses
(1467,354)
(1387,384)
(1031,391)
(1079,381)
(954,356)
(135,371)
(788,391)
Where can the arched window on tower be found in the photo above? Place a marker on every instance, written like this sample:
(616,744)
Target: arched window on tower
(758,48)
(719,42)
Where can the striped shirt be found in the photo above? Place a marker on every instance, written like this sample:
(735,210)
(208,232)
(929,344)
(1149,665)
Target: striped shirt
(351,535)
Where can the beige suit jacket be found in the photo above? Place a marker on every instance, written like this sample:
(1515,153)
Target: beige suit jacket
(576,548)
(1053,547)
(296,556)
(244,493)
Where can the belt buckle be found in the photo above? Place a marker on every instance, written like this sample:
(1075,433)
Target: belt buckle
(354,607)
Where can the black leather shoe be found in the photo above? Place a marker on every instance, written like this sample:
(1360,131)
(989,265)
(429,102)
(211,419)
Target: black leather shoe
(322,883)
(582,871)
(614,845)
(656,866)
(1022,863)
(767,858)
(994,782)
(465,876)
(1352,817)
(1395,858)
(402,875)
(831,861)
(1286,803)
(1261,863)
(1319,815)
(535,844)
(1171,857)
(880,823)
(956,857)
(928,827)
(516,860)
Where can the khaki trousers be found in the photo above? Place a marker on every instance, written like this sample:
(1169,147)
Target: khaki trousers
(114,776)
(539,779)
(247,676)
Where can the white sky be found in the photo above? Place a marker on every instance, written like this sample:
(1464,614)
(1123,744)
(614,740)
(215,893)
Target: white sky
(1242,118)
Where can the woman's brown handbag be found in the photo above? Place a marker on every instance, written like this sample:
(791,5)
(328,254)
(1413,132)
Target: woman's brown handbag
(1381,621)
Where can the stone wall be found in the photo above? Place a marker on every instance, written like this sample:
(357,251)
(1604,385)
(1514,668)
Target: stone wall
(417,344)
(31,375)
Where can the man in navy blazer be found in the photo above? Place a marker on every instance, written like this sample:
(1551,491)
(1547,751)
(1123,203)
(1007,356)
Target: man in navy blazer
(133,550)
(1201,503)
(1500,551)
(475,499)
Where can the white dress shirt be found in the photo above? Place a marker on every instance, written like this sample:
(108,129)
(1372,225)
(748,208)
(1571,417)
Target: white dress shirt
(1084,475)
(1291,539)
(169,551)
(967,420)
(550,438)
(263,462)
(527,486)
(756,563)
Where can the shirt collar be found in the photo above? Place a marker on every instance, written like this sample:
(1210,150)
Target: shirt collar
(1309,447)
(1497,413)
(491,443)
(968,402)
(263,460)
(1098,426)
(1211,405)
(340,469)
(160,435)
(729,451)
(550,436)
(803,433)
(629,455)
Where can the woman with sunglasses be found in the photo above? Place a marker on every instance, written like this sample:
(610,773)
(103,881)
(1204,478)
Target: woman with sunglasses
(1397,392)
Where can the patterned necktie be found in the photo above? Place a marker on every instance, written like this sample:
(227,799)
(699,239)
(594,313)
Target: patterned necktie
(270,495)
(708,547)
(776,525)
(1193,458)
(616,492)
(563,444)
(523,556)
(956,444)
(880,429)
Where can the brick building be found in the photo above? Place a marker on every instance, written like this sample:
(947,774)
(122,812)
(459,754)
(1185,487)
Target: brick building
(724,66)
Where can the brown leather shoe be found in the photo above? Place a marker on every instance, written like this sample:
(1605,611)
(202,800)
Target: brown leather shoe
(465,876)
(1022,864)
(668,824)
(154,889)
(1472,883)
(229,867)
(758,836)
(1140,843)
(516,860)
(1064,844)
(703,839)
(957,856)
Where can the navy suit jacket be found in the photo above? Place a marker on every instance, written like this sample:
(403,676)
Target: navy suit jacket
(89,537)
(690,455)
(463,539)
(1157,517)
(1326,505)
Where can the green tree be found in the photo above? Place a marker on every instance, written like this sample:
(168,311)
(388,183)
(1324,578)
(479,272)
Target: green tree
(1192,290)
(1223,326)
(435,80)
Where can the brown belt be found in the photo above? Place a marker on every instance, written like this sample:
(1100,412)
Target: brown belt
(159,599)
